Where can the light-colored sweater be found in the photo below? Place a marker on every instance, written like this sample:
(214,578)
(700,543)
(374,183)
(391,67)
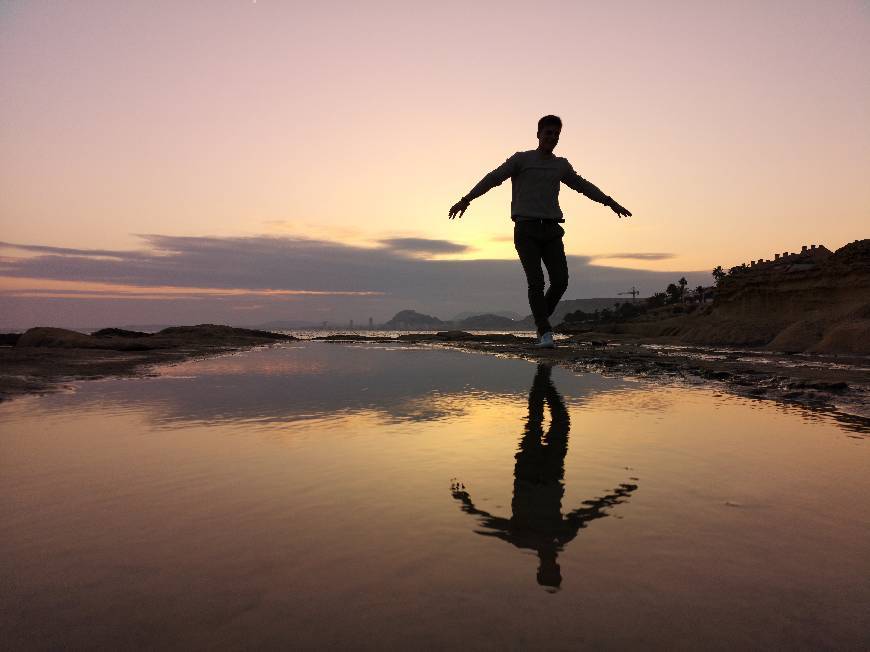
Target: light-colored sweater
(535,181)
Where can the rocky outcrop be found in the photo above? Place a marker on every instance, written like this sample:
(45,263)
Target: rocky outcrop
(46,358)
(115,339)
(61,338)
(118,332)
(822,308)
(9,339)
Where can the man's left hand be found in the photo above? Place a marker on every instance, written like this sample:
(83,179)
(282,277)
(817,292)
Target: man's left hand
(619,210)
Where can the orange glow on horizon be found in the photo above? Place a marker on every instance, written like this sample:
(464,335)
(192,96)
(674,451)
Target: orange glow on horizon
(35,287)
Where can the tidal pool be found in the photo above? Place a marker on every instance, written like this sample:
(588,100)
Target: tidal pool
(319,495)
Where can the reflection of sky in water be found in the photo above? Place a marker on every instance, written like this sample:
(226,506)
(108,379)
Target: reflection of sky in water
(319,380)
(300,496)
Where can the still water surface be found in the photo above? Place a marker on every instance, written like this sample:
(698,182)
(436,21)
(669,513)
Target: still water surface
(372,496)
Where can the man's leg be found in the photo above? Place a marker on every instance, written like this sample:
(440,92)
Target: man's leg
(553,255)
(529,248)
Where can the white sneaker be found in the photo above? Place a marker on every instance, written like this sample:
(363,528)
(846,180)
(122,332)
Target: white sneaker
(546,341)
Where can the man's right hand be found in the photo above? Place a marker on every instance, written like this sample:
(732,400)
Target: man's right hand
(458,208)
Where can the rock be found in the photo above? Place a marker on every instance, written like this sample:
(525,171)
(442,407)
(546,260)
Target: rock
(455,336)
(44,336)
(118,332)
(203,335)
(9,339)
(218,332)
(818,308)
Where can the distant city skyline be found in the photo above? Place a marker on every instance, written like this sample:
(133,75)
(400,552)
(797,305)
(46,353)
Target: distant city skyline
(248,162)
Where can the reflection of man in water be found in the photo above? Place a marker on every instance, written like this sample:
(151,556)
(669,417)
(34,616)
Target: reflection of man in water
(537,522)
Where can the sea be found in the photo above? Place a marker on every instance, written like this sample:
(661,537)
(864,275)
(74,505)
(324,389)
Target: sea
(335,495)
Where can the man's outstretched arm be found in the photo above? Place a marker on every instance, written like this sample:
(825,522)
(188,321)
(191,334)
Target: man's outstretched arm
(490,181)
(578,183)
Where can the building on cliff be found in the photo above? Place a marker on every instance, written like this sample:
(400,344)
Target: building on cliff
(808,258)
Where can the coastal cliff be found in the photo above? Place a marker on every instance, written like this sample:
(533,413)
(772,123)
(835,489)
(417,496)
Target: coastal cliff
(823,307)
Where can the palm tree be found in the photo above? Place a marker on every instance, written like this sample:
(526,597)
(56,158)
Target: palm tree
(700,291)
(683,283)
(718,275)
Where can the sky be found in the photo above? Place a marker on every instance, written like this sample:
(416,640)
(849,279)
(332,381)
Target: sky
(242,162)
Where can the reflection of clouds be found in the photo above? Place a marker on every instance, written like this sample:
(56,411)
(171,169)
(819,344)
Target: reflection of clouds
(315,380)
(427,408)
(239,364)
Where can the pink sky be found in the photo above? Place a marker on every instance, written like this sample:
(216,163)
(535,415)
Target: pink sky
(730,130)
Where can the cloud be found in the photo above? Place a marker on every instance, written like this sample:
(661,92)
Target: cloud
(296,278)
(636,256)
(66,251)
(424,245)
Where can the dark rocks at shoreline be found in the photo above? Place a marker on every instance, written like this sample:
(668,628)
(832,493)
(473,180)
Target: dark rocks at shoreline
(9,339)
(118,339)
(119,332)
(43,359)
(463,336)
(351,337)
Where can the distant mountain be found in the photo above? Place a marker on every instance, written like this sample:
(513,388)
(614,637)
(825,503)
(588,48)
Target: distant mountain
(502,320)
(410,319)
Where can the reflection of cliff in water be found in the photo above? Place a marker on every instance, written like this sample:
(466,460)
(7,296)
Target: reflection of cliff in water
(537,522)
(315,380)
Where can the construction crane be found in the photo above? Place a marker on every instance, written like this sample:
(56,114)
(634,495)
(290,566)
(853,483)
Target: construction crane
(633,292)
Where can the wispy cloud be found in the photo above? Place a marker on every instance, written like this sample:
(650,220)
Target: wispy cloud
(635,256)
(66,251)
(424,246)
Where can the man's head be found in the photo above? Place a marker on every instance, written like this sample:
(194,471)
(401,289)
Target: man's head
(549,128)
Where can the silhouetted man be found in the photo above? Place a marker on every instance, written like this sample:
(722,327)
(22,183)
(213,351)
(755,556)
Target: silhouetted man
(535,177)
(537,522)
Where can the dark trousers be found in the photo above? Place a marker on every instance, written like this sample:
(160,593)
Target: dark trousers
(536,242)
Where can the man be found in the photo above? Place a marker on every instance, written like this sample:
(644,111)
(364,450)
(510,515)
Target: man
(535,176)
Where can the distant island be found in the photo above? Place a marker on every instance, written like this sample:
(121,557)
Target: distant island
(413,320)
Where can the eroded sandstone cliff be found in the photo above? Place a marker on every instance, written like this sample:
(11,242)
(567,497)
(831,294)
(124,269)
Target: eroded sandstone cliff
(823,308)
